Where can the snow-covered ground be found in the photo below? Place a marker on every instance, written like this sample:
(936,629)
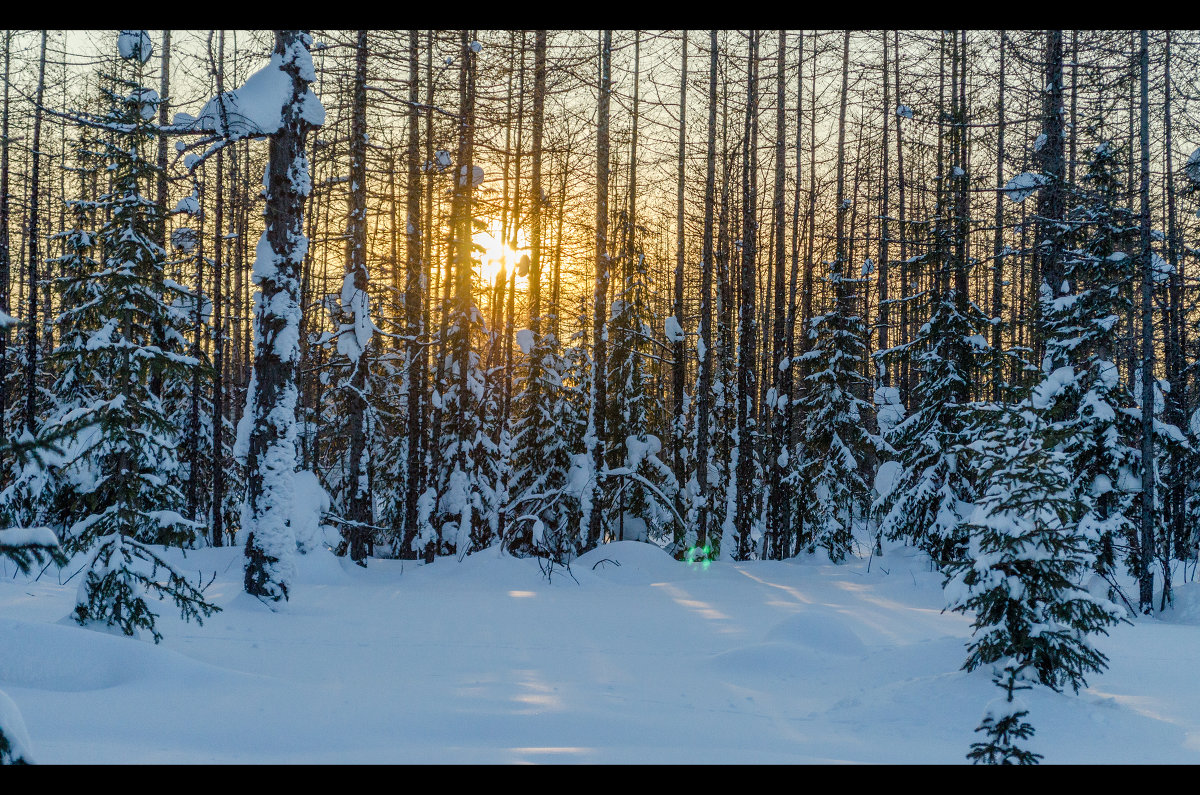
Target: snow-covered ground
(646,661)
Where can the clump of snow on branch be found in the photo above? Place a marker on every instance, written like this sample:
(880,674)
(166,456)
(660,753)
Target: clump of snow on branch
(256,108)
(133,44)
(1023,185)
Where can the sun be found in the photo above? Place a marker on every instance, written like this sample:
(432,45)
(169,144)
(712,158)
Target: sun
(496,253)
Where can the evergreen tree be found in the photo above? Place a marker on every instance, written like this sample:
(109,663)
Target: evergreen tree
(544,508)
(1022,573)
(1093,408)
(42,490)
(641,486)
(836,443)
(25,548)
(127,453)
(935,487)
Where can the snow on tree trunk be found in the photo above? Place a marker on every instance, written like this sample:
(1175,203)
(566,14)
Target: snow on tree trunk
(271,398)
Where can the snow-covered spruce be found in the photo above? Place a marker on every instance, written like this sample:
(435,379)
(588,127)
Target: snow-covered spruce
(1022,573)
(120,334)
(640,488)
(935,486)
(836,443)
(544,506)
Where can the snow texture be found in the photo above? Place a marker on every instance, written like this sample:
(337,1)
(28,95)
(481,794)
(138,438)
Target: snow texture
(134,44)
(256,108)
(525,340)
(673,331)
(796,662)
(1022,186)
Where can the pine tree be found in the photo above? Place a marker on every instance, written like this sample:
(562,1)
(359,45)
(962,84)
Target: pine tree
(1022,573)
(935,487)
(836,443)
(25,547)
(642,486)
(128,449)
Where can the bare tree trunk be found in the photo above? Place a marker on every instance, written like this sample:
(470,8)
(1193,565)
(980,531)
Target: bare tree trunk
(193,433)
(1145,575)
(704,396)
(34,250)
(678,364)
(1051,198)
(788,379)
(884,376)
(355,288)
(416,285)
(747,322)
(998,239)
(806,311)
(5,252)
(905,383)
(218,404)
(596,432)
(778,517)
(537,193)
(1177,398)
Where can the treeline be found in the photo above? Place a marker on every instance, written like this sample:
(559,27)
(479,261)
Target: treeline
(742,294)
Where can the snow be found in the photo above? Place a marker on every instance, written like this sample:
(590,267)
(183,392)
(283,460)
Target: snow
(354,337)
(1022,186)
(886,477)
(1054,383)
(134,44)
(635,658)
(672,329)
(188,204)
(147,101)
(1160,268)
(1192,167)
(525,340)
(256,108)
(12,727)
(28,536)
(309,502)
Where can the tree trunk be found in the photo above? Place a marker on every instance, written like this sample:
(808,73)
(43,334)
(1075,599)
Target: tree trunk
(416,285)
(271,401)
(596,432)
(34,250)
(355,288)
(747,322)
(1145,575)
(678,363)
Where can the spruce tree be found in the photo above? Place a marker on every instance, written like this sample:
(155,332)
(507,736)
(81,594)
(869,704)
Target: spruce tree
(1021,579)
(25,548)
(641,486)
(1093,409)
(836,443)
(128,450)
(543,508)
(935,486)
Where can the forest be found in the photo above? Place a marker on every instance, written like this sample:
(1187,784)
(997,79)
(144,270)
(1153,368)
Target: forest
(742,295)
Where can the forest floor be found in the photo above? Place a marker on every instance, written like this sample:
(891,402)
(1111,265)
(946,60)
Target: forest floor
(648,661)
